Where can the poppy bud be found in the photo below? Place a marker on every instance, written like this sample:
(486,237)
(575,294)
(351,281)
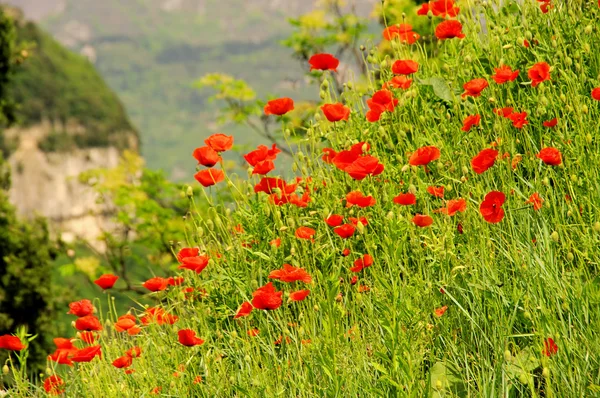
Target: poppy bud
(189,191)
(405,168)
(546,372)
(507,355)
(554,43)
(412,189)
(528,35)
(570,256)
(596,226)
(554,236)
(361,227)
(586,48)
(362,48)
(584,109)
(350,85)
(316,308)
(507,46)
(294,167)
(5,369)
(439,385)
(325,85)
(292,251)
(390,215)
(588,138)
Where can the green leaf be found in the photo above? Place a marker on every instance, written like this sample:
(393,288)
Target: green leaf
(440,87)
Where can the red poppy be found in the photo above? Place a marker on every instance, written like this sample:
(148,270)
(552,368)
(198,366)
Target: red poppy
(125,322)
(355,220)
(444,9)
(328,155)
(536,201)
(424,155)
(270,185)
(87,354)
(275,242)
(405,67)
(253,332)
(474,87)
(261,153)
(402,32)
(382,101)
(209,177)
(455,205)
(88,322)
(402,82)
(334,220)
(87,337)
(484,160)
(504,112)
(538,73)
(244,310)
(219,142)
(491,207)
(518,119)
(193,263)
(346,252)
(358,199)
(156,284)
(449,30)
(11,343)
(424,10)
(106,281)
(438,192)
(263,167)
(422,221)
(305,233)
(64,350)
(441,311)
(54,385)
(550,123)
(336,112)
(81,308)
(279,106)
(550,347)
(364,166)
(470,121)
(345,231)
(188,338)
(505,74)
(405,199)
(550,155)
(206,156)
(362,263)
(596,93)
(290,274)
(122,362)
(323,62)
(299,295)
(134,352)
(266,298)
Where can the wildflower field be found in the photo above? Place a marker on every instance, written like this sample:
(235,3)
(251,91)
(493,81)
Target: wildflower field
(441,238)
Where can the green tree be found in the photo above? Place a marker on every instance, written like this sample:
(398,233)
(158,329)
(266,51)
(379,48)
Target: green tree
(27,295)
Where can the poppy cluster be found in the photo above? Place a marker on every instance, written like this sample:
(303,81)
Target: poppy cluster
(209,155)
(354,161)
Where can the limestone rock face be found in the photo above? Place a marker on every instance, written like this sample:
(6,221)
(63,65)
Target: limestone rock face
(46,184)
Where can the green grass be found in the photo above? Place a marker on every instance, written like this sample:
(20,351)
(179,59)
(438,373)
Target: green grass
(508,286)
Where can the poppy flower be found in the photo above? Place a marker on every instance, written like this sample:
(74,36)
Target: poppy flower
(261,154)
(244,310)
(364,166)
(454,206)
(156,284)
(536,201)
(122,362)
(550,155)
(422,221)
(355,220)
(424,155)
(381,101)
(279,106)
(188,338)
(175,280)
(11,343)
(362,263)
(336,112)
(253,332)
(266,298)
(596,93)
(134,352)
(505,74)
(345,231)
(194,263)
(550,347)
(87,337)
(81,308)
(518,119)
(470,121)
(449,29)
(491,207)
(402,82)
(358,199)
(334,220)
(106,281)
(550,123)
(87,354)
(545,6)
(263,167)
(405,199)
(473,88)
(275,242)
(64,350)
(484,160)
(299,295)
(323,62)
(538,73)
(346,252)
(438,192)
(405,67)
(125,322)
(206,156)
(444,9)
(423,10)
(54,385)
(270,185)
(219,142)
(305,233)
(328,155)
(402,32)
(504,112)
(88,323)
(290,274)
(441,311)
(209,177)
